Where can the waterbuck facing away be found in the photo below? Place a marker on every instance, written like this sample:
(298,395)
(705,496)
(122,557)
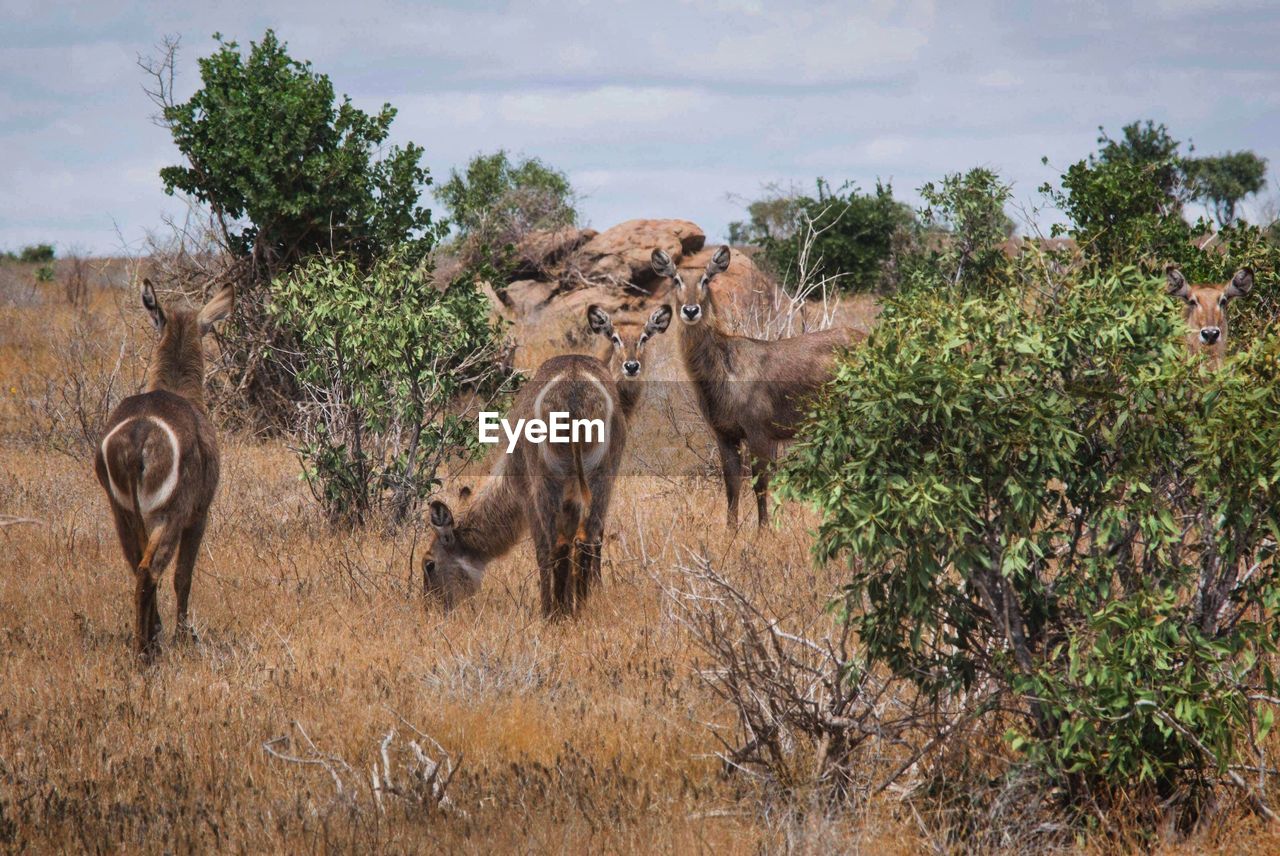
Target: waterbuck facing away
(751,392)
(558,491)
(158,462)
(1206,309)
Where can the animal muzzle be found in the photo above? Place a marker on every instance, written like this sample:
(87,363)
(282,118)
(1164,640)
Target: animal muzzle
(631,368)
(1210,335)
(690,313)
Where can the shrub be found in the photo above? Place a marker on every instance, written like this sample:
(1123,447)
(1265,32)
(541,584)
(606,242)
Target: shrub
(384,356)
(838,233)
(497,202)
(41,254)
(287,170)
(1056,513)
(967,227)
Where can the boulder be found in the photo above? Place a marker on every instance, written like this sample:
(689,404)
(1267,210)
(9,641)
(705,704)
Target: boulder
(538,251)
(620,255)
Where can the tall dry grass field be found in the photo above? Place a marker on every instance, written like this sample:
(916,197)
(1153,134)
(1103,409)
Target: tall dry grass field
(291,725)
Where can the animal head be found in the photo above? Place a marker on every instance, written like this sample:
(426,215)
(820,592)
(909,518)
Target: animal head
(628,341)
(178,363)
(1205,307)
(450,572)
(696,303)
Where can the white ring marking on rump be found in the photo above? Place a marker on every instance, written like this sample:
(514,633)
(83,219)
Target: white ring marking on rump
(124,501)
(150,501)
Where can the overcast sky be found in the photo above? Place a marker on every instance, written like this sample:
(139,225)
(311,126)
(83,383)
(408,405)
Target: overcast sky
(657,109)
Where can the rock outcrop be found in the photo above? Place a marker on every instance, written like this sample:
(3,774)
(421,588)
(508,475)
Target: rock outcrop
(564,272)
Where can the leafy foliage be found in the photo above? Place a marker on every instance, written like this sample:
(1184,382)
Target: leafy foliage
(1047,500)
(290,169)
(31,254)
(967,227)
(838,233)
(384,356)
(1225,180)
(497,201)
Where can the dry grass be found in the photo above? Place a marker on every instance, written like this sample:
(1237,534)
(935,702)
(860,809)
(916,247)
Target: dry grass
(585,735)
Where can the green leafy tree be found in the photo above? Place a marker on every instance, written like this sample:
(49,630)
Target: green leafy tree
(838,233)
(968,227)
(384,356)
(287,170)
(290,169)
(1049,511)
(1223,181)
(497,201)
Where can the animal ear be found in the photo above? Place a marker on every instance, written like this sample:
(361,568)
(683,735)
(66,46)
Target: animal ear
(659,320)
(1178,285)
(719,261)
(598,320)
(1241,283)
(152,305)
(441,520)
(218,308)
(662,264)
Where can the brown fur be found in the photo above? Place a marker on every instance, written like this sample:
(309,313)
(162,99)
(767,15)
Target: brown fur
(138,458)
(626,347)
(751,392)
(559,492)
(1205,309)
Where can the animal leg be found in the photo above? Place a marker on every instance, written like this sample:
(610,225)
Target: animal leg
(731,469)
(188,551)
(159,551)
(132,540)
(761,470)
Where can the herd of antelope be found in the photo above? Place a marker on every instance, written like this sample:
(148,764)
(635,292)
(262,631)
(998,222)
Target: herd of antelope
(158,460)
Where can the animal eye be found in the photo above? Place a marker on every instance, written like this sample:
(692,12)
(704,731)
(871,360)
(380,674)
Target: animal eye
(617,340)
(430,567)
(1222,301)
(644,337)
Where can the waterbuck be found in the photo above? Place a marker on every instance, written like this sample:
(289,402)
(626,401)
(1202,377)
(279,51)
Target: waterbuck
(558,491)
(158,462)
(1206,309)
(751,392)
(626,346)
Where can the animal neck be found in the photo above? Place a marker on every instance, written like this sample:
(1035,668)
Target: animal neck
(705,350)
(494,522)
(178,363)
(629,392)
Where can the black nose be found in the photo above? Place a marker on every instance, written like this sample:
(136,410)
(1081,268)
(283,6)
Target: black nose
(631,367)
(690,312)
(1209,335)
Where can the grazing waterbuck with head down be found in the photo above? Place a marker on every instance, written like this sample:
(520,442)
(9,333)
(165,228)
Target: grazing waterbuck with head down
(158,462)
(626,346)
(751,392)
(1206,309)
(559,492)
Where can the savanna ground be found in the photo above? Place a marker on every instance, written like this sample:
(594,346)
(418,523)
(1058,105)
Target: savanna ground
(594,734)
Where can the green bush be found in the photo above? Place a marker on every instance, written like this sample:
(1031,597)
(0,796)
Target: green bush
(966,228)
(384,356)
(838,233)
(288,168)
(36,254)
(1049,511)
(496,202)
